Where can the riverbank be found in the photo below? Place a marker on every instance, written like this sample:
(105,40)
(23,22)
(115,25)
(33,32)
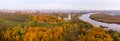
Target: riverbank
(86,18)
(106,18)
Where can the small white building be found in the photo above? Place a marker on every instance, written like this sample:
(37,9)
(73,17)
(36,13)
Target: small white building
(58,17)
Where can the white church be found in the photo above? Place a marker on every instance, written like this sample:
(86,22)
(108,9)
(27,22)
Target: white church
(67,18)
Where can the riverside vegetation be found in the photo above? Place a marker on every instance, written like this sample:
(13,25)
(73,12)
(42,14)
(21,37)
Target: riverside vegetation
(106,18)
(47,27)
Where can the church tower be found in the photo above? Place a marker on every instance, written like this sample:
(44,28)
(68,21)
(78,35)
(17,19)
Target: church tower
(69,17)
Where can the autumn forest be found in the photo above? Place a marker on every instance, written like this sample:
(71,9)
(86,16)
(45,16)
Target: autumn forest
(19,26)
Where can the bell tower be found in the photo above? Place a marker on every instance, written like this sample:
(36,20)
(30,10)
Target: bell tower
(69,17)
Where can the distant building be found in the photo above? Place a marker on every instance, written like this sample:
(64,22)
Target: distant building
(58,17)
(68,18)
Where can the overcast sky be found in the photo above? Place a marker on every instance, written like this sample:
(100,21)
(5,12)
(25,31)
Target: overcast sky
(61,4)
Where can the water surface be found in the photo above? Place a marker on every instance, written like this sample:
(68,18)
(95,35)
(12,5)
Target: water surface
(86,18)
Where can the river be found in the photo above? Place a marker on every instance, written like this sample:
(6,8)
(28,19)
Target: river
(85,17)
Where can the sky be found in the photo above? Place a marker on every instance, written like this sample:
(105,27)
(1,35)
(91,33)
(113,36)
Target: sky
(61,4)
